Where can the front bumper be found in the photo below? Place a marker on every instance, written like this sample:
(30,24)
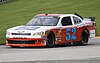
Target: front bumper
(26,42)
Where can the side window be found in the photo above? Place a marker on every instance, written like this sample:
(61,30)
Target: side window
(76,20)
(66,21)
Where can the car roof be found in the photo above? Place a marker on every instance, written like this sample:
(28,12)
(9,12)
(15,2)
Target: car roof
(57,15)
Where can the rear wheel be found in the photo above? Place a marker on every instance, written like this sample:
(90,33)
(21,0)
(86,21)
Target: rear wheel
(84,37)
(50,40)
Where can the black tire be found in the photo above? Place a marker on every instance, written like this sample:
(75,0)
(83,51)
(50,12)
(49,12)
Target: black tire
(15,46)
(50,40)
(84,37)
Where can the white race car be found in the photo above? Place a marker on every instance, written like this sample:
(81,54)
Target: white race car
(52,29)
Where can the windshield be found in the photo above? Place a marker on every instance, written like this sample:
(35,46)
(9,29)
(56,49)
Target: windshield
(43,21)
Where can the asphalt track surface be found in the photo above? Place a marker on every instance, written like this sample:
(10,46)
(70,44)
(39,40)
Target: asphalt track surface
(59,54)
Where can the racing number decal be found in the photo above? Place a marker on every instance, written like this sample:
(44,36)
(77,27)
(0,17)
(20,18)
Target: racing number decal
(74,32)
(68,36)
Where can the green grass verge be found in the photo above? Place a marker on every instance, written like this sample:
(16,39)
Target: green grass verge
(19,12)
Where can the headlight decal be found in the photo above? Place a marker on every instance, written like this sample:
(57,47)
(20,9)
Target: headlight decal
(39,34)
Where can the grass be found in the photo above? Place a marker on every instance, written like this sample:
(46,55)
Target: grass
(19,12)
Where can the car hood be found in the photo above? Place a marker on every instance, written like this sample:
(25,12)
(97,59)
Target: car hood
(30,28)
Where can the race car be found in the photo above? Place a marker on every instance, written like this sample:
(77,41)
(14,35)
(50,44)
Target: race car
(52,29)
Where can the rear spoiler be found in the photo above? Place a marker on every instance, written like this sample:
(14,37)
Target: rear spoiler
(92,18)
(89,18)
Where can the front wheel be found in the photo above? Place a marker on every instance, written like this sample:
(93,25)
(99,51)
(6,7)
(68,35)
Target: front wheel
(50,40)
(84,37)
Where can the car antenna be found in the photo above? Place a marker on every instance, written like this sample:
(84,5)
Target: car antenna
(78,15)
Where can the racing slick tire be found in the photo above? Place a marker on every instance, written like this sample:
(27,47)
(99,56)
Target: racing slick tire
(84,38)
(50,40)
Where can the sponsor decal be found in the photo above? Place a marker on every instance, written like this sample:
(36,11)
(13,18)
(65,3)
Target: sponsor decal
(27,28)
(92,33)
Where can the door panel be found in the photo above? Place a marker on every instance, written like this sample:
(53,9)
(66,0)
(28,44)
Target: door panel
(71,34)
